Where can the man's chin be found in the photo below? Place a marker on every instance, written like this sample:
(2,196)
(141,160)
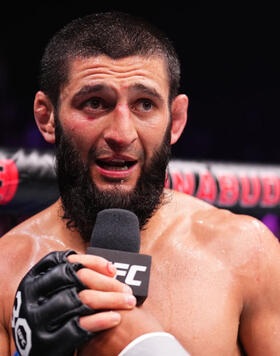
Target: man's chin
(115,187)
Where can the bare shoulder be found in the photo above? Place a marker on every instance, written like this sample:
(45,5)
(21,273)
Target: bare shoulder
(19,248)
(239,240)
(26,243)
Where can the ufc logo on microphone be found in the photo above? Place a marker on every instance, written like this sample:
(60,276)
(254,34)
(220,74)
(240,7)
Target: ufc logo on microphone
(129,271)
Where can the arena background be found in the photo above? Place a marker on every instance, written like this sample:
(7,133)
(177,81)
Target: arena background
(230,71)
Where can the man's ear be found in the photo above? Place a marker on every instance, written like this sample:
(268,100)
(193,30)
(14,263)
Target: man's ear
(179,114)
(44,116)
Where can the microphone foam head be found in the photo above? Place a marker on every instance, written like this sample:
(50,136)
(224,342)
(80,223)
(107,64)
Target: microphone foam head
(116,229)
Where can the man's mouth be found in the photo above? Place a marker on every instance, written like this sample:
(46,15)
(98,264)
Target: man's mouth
(115,164)
(116,168)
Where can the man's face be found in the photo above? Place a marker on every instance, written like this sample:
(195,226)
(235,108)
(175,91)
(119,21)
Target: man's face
(113,131)
(116,114)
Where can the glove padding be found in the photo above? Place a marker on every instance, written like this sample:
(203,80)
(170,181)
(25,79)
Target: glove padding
(47,308)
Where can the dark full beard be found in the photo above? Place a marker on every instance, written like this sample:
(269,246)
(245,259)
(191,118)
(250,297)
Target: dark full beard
(81,198)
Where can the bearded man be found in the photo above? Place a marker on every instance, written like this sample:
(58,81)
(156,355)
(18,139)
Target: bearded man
(109,102)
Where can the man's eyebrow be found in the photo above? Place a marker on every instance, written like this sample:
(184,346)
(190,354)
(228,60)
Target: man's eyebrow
(95,88)
(89,89)
(147,90)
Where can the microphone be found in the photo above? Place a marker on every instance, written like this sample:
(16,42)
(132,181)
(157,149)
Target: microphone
(116,237)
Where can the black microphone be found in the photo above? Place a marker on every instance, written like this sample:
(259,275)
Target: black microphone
(116,237)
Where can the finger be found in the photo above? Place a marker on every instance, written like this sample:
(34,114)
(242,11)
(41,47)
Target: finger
(97,300)
(96,263)
(97,281)
(50,261)
(60,308)
(60,277)
(100,321)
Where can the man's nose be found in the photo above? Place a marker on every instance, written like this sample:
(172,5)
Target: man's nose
(120,131)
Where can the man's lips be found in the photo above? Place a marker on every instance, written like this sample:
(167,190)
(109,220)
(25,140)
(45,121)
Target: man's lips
(118,167)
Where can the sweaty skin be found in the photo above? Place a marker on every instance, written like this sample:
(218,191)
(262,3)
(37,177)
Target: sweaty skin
(215,278)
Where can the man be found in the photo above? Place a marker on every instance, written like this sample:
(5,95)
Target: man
(109,102)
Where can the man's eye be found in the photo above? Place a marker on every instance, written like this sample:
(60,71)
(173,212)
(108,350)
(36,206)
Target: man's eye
(94,103)
(144,105)
(147,105)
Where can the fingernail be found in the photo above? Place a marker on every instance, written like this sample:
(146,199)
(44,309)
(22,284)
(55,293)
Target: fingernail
(131,300)
(111,268)
(115,317)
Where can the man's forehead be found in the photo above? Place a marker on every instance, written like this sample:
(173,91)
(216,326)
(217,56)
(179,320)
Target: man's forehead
(151,66)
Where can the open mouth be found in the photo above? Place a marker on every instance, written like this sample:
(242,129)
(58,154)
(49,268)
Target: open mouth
(115,164)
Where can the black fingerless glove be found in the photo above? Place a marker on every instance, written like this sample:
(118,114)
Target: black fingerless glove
(47,309)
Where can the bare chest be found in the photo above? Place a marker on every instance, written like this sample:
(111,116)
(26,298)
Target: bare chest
(198,301)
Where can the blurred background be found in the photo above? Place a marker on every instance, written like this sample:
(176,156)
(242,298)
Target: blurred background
(230,71)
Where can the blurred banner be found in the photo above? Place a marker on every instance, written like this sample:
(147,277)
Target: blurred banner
(27,180)
(28,183)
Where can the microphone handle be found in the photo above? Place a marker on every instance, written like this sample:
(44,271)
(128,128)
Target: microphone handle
(133,269)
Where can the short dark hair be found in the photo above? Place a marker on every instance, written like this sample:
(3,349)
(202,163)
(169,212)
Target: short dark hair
(115,34)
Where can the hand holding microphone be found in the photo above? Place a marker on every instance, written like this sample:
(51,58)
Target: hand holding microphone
(116,237)
(64,299)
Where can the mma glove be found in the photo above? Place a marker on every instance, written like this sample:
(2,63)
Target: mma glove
(47,308)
